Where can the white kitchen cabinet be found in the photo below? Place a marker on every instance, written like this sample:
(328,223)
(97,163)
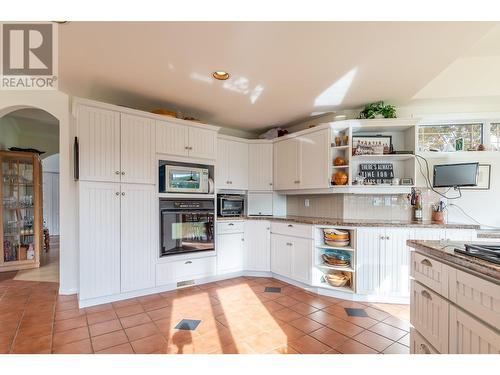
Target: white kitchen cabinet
(137,149)
(232,164)
(185,270)
(429,315)
(99,239)
(98,133)
(281,255)
(469,335)
(258,245)
(117,238)
(314,160)
(286,164)
(430,272)
(260,166)
(460,234)
(230,252)
(183,140)
(138,236)
(383,261)
(418,345)
(260,203)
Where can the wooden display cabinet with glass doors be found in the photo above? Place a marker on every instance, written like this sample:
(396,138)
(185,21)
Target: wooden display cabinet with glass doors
(21,223)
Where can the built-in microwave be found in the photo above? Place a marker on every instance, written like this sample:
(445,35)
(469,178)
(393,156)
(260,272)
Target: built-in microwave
(181,179)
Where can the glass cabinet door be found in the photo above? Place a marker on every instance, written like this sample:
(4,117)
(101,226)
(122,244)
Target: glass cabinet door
(18,208)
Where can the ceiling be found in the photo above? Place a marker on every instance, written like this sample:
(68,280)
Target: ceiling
(280,71)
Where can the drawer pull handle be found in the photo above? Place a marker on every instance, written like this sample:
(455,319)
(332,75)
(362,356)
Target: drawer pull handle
(290,226)
(188,262)
(426,262)
(426,294)
(425,349)
(230,224)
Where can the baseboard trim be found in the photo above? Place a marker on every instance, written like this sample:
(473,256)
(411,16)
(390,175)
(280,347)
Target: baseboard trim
(68,292)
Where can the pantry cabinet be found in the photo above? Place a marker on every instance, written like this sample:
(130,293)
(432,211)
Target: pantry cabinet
(383,261)
(260,166)
(302,162)
(258,245)
(115,147)
(183,140)
(117,239)
(232,164)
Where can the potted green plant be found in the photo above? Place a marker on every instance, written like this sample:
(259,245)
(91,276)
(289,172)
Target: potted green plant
(378,110)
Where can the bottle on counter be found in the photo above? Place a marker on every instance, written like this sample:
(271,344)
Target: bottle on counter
(417,209)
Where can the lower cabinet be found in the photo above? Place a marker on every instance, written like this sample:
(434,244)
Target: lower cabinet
(117,239)
(258,245)
(185,270)
(418,345)
(292,257)
(230,250)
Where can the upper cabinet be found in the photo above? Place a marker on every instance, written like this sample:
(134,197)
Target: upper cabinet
(115,147)
(302,162)
(232,164)
(260,166)
(184,140)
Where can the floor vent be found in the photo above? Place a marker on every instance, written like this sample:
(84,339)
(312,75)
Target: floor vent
(183,284)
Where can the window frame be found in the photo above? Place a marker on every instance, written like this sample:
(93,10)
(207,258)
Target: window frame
(485,127)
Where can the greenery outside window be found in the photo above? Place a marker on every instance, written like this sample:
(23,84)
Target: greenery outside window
(495,136)
(442,136)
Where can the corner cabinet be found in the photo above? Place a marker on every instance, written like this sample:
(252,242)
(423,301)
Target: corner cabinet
(302,162)
(232,164)
(115,147)
(117,238)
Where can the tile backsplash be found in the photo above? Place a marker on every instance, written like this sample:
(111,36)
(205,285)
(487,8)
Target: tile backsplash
(359,206)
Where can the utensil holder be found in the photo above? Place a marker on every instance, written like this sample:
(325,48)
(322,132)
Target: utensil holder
(438,216)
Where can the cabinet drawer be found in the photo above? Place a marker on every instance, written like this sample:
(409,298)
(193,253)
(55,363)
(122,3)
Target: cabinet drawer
(470,336)
(430,273)
(478,296)
(182,270)
(429,316)
(292,229)
(236,226)
(419,345)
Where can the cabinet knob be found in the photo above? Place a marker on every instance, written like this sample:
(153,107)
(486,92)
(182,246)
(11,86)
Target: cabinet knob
(123,173)
(117,172)
(243,240)
(123,193)
(186,147)
(270,184)
(117,193)
(188,262)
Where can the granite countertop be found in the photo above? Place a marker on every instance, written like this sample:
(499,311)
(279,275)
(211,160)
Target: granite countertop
(487,233)
(354,223)
(445,252)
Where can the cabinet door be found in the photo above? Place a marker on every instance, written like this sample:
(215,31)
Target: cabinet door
(314,160)
(368,259)
(99,239)
(137,150)
(395,263)
(222,167)
(429,316)
(281,255)
(260,166)
(99,144)
(238,165)
(258,245)
(138,236)
(470,336)
(286,156)
(230,253)
(172,138)
(301,260)
(460,234)
(202,143)
(428,234)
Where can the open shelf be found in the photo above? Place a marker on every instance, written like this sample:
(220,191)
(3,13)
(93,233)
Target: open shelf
(333,268)
(391,157)
(346,289)
(340,166)
(343,147)
(347,248)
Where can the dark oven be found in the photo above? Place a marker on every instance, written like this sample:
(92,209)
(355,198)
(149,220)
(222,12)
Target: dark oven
(186,226)
(230,205)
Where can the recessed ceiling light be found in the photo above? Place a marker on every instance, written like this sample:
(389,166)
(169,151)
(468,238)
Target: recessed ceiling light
(221,75)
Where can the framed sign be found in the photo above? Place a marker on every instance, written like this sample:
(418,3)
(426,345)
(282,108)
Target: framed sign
(483,178)
(371,144)
(377,173)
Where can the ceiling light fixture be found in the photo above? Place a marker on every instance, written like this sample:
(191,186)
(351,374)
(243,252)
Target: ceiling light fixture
(220,75)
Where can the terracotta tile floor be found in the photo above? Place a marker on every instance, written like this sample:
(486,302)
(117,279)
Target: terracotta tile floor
(237,316)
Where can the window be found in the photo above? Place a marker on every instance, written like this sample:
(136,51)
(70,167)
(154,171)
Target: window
(442,137)
(495,136)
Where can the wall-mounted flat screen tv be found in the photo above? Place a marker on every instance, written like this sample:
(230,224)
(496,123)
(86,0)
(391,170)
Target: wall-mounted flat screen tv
(455,175)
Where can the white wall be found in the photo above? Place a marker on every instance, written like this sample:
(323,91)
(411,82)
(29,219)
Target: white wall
(57,104)
(51,164)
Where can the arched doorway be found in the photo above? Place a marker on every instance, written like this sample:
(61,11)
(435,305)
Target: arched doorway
(29,140)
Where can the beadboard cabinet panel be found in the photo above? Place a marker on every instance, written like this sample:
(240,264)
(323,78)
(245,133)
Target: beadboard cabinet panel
(138,236)
(99,144)
(395,263)
(202,143)
(286,164)
(238,165)
(314,160)
(302,249)
(230,252)
(258,245)
(172,139)
(99,239)
(260,166)
(137,149)
(281,254)
(368,260)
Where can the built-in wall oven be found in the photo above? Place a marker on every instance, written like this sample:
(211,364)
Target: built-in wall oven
(186,226)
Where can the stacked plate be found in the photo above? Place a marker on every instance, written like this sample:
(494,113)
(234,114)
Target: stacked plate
(335,237)
(337,260)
